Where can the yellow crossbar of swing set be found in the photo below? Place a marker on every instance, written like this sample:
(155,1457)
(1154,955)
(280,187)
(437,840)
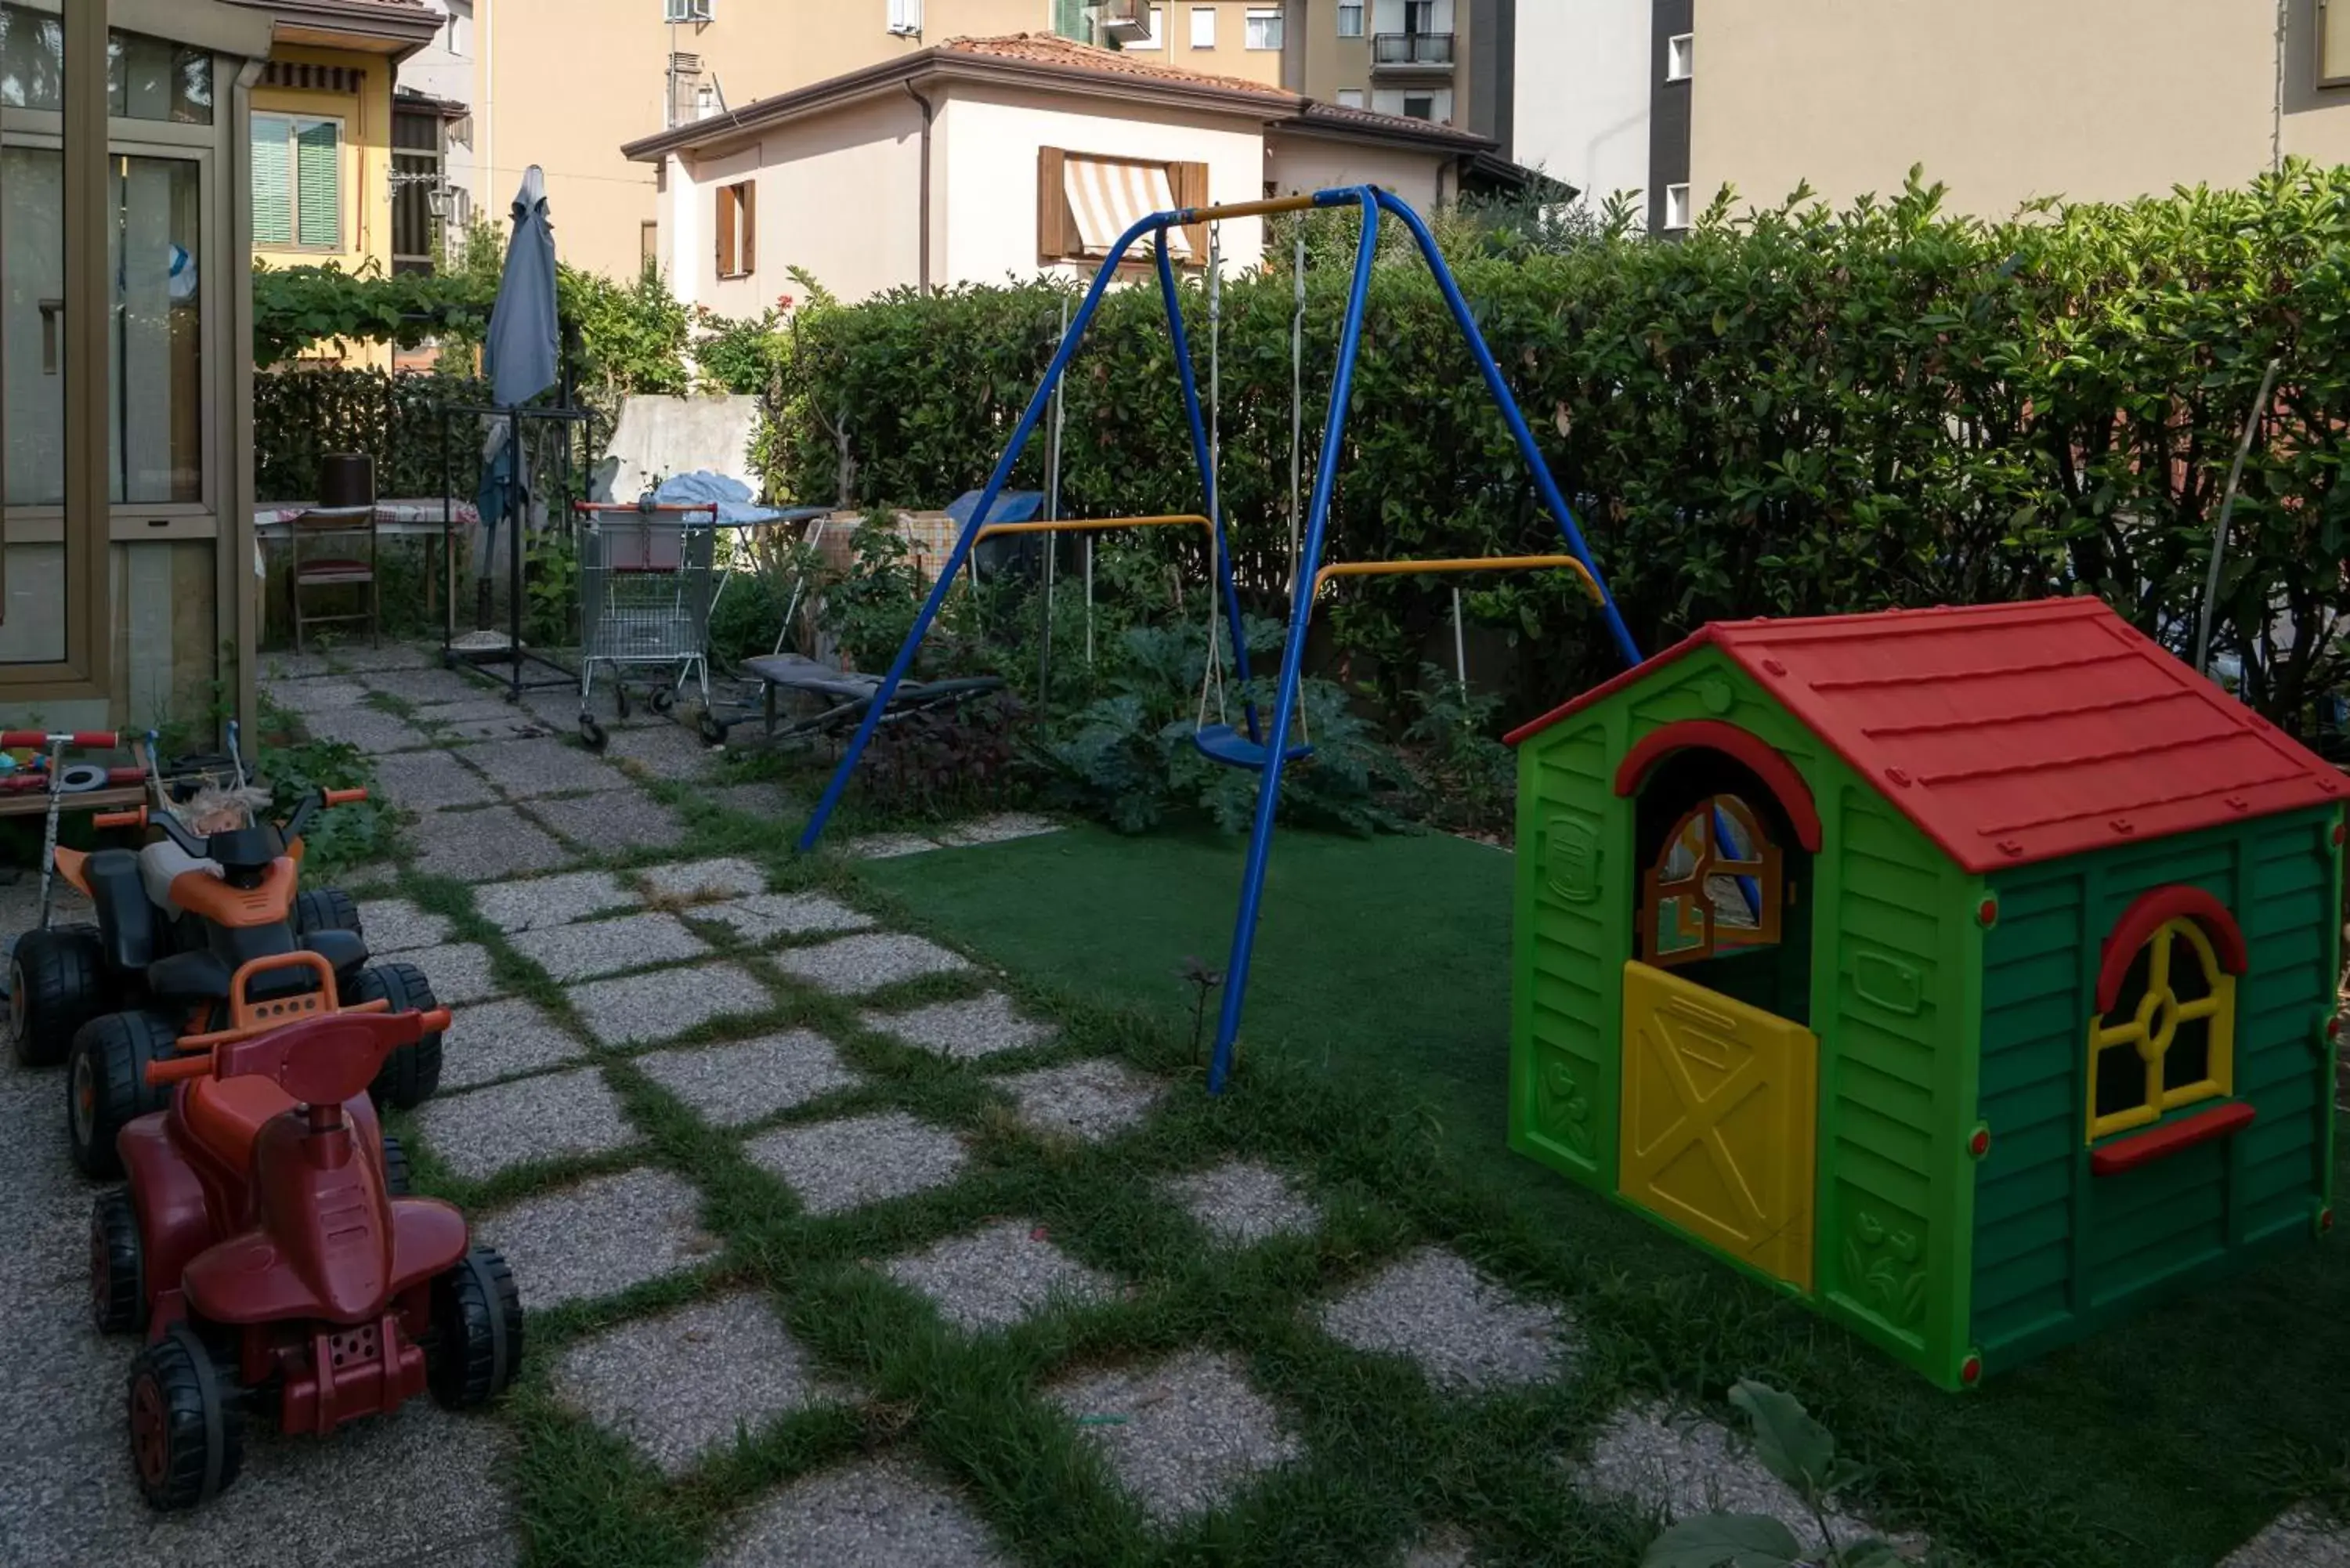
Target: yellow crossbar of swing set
(1464,564)
(1091,525)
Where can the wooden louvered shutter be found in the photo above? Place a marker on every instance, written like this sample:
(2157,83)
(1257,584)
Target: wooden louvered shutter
(318,185)
(1051,205)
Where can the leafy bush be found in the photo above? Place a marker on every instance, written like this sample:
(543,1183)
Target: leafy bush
(345,835)
(870,608)
(1469,776)
(1805,410)
(950,760)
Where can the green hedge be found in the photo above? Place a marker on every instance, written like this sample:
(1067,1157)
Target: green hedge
(1805,411)
(300,415)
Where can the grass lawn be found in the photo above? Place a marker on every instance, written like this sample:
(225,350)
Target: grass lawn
(1382,970)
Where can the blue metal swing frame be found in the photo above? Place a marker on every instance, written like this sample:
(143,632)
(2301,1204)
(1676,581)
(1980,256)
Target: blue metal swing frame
(1255,752)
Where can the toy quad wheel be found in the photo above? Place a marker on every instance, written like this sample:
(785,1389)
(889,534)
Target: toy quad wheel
(476,1330)
(117,1265)
(53,990)
(187,1432)
(713,730)
(107,1087)
(326,910)
(395,1167)
(592,732)
(411,1073)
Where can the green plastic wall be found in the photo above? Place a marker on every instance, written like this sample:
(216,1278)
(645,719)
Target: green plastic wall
(2060,1252)
(1895,965)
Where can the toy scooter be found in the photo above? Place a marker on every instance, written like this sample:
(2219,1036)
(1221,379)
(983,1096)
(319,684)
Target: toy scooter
(269,1251)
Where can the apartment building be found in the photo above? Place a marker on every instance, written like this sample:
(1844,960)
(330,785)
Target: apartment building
(564,83)
(2003,100)
(439,183)
(1450,61)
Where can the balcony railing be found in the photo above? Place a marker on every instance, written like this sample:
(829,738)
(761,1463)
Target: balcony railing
(1411,49)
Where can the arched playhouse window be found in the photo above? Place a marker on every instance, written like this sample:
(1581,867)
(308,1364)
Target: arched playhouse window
(1715,887)
(2164,1037)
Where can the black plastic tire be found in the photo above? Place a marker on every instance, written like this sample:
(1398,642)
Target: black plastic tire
(662,700)
(592,734)
(713,733)
(326,910)
(619,699)
(395,1167)
(107,1087)
(187,1431)
(411,1073)
(55,981)
(117,1265)
(476,1331)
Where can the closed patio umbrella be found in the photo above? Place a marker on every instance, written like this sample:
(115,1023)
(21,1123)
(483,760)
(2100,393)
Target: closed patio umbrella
(521,357)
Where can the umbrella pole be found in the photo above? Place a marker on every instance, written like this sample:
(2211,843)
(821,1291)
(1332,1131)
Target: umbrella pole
(514,549)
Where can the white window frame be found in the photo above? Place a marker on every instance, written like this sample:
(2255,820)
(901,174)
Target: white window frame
(1359,8)
(1677,209)
(1427,98)
(1203,14)
(1155,15)
(1681,56)
(1258,17)
(906,18)
(294,124)
(1351,98)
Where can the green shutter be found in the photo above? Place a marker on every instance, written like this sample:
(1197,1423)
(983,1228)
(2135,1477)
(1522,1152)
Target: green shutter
(273,192)
(318,182)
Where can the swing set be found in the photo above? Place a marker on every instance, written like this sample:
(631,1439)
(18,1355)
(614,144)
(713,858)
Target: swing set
(1264,747)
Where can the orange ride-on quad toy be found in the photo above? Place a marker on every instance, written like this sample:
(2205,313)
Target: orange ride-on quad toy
(271,1255)
(183,927)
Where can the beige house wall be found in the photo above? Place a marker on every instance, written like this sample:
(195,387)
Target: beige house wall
(2003,101)
(1300,164)
(1232,57)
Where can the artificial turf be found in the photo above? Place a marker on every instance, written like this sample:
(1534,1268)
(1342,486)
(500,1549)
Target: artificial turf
(1382,966)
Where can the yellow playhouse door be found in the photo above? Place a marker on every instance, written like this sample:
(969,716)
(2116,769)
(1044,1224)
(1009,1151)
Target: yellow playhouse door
(1719,1120)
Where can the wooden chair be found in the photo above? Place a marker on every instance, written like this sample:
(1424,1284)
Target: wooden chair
(307,572)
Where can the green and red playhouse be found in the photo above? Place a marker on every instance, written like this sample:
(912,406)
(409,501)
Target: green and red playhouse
(1968,973)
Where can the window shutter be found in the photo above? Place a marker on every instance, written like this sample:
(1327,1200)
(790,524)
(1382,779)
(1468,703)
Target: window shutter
(726,231)
(1052,204)
(748,195)
(273,189)
(318,185)
(1189,183)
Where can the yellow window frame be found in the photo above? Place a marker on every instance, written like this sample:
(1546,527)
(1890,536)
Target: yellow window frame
(2155,1025)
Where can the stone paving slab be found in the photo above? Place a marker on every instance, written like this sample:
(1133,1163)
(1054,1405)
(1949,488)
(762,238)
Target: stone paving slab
(499,1039)
(703,881)
(647,1009)
(833,1167)
(875,1513)
(1440,1549)
(624,818)
(856,965)
(1680,1465)
(1002,828)
(423,688)
(315,696)
(1089,1101)
(397,926)
(755,799)
(998,1275)
(1242,1202)
(430,781)
(459,972)
(448,725)
(481,708)
(764,918)
(1184,1436)
(2301,1538)
(358,659)
(544,901)
(600,1237)
(288,665)
(484,1131)
(729,1084)
(963,1030)
(543,765)
(684,1384)
(888,845)
(664,752)
(609,947)
(1466,1333)
(495,841)
(369,729)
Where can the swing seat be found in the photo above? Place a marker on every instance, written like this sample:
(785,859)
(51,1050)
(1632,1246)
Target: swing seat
(1222,743)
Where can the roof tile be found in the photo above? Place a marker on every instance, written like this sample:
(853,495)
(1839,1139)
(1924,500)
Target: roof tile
(1049,50)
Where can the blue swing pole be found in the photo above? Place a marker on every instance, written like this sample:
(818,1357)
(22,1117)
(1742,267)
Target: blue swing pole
(1516,419)
(979,518)
(1207,486)
(1292,654)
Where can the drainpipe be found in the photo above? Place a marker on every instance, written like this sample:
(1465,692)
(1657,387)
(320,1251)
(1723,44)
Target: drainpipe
(928,109)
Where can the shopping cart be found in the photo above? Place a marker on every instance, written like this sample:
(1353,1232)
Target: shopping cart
(646,575)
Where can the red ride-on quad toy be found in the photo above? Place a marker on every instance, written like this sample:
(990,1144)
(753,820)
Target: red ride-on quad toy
(183,926)
(266,1247)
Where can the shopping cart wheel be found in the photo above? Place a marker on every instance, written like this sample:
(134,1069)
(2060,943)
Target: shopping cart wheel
(714,734)
(621,698)
(591,731)
(664,701)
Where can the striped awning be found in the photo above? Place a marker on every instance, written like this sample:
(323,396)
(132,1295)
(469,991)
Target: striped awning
(1106,198)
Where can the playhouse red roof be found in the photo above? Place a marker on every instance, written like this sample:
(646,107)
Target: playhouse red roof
(2011,733)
